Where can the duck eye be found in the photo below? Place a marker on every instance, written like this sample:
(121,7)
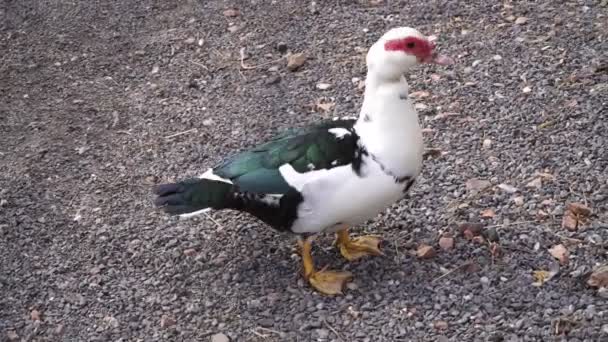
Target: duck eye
(411,45)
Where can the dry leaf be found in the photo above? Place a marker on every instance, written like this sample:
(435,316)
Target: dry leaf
(507,188)
(470,230)
(475,185)
(545,175)
(519,200)
(190,252)
(295,61)
(535,183)
(569,221)
(425,251)
(495,250)
(324,105)
(35,315)
(443,115)
(12,336)
(420,106)
(167,321)
(579,209)
(420,94)
(541,214)
(231,12)
(488,213)
(432,153)
(599,277)
(541,277)
(560,253)
(440,325)
(547,202)
(446,243)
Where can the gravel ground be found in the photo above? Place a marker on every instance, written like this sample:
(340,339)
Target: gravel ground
(100,100)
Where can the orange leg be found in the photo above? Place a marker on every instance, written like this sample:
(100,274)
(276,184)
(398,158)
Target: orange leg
(327,282)
(361,246)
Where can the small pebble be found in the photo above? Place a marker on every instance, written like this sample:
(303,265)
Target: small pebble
(220,338)
(282,47)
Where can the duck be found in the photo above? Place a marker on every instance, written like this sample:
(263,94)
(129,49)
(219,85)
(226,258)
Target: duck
(328,176)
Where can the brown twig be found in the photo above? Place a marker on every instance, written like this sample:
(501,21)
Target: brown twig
(333,330)
(249,67)
(181,133)
(219,226)
(450,272)
(200,64)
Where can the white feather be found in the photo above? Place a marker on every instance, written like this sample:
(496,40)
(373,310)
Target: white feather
(339,132)
(212,176)
(194,213)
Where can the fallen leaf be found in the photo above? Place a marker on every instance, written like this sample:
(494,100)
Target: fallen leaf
(295,61)
(324,105)
(190,252)
(111,321)
(579,209)
(361,85)
(599,277)
(488,213)
(507,188)
(547,202)
(475,185)
(472,267)
(541,277)
(569,221)
(518,200)
(35,315)
(323,86)
(446,243)
(495,250)
(420,94)
(231,12)
(563,325)
(535,183)
(560,253)
(59,329)
(545,175)
(470,230)
(420,106)
(167,321)
(12,336)
(443,115)
(541,214)
(425,251)
(440,325)
(432,153)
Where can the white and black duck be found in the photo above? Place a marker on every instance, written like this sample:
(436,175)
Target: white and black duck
(329,176)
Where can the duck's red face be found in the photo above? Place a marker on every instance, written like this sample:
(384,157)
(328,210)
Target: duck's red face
(421,48)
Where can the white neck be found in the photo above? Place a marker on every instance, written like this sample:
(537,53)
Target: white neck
(388,124)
